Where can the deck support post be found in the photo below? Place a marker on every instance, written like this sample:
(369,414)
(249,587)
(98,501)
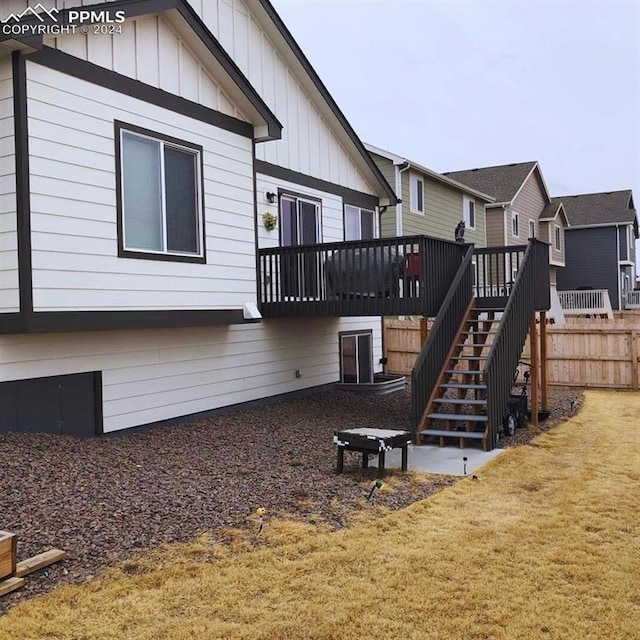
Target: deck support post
(535,377)
(543,361)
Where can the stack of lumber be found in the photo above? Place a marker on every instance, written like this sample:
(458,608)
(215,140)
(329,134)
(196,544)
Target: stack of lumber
(12,573)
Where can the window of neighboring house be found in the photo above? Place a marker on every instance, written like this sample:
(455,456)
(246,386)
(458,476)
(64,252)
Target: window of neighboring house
(558,238)
(515,224)
(416,193)
(160,205)
(358,223)
(469,213)
(356,357)
(532,228)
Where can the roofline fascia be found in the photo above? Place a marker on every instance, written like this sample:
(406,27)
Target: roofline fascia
(598,225)
(398,160)
(315,78)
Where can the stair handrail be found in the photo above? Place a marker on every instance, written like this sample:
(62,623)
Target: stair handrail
(434,352)
(506,349)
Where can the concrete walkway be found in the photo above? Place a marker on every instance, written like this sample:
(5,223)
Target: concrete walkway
(443,460)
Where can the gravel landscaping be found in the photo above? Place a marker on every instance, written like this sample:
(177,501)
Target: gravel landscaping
(103,499)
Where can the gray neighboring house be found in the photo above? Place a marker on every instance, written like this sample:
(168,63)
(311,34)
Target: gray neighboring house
(600,243)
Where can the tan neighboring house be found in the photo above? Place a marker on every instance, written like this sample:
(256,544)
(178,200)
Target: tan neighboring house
(430,203)
(522,209)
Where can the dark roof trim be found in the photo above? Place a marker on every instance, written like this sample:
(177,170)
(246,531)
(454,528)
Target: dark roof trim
(133,8)
(59,321)
(349,196)
(95,74)
(315,78)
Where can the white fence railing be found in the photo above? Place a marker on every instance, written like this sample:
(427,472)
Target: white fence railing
(589,302)
(632,300)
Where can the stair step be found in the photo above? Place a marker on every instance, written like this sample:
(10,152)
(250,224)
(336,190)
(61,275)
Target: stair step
(478,333)
(475,435)
(465,372)
(457,385)
(459,417)
(459,401)
(470,357)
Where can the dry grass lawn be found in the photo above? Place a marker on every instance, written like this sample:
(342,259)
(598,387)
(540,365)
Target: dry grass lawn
(546,544)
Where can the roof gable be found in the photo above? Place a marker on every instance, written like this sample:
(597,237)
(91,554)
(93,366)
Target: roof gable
(206,57)
(552,212)
(503,182)
(313,85)
(598,209)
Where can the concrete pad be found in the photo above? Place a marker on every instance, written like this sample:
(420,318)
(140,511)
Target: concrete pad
(442,460)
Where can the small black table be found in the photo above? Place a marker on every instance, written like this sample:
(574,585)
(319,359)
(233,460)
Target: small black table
(368,441)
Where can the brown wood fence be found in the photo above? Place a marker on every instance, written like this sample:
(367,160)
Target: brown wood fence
(590,353)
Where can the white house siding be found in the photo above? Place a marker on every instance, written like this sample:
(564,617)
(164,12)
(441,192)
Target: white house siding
(173,66)
(313,147)
(156,375)
(9,293)
(331,224)
(73,205)
(148,49)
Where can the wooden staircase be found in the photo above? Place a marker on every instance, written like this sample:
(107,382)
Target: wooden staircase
(457,408)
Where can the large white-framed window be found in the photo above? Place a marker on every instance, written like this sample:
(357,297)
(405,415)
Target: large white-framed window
(557,240)
(359,223)
(469,212)
(532,228)
(515,224)
(416,193)
(159,196)
(630,239)
(356,356)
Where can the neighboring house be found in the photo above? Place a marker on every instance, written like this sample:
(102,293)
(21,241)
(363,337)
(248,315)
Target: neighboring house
(600,244)
(137,162)
(522,209)
(431,203)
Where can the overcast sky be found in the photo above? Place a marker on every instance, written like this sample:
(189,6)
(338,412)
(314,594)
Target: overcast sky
(455,84)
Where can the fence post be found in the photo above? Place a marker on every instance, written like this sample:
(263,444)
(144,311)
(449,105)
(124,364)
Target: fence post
(535,379)
(635,383)
(424,330)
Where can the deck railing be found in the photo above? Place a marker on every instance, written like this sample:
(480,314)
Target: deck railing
(588,302)
(526,296)
(632,300)
(433,355)
(409,275)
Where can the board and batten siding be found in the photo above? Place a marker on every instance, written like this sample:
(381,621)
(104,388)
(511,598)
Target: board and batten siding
(308,144)
(149,50)
(154,375)
(73,205)
(9,284)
